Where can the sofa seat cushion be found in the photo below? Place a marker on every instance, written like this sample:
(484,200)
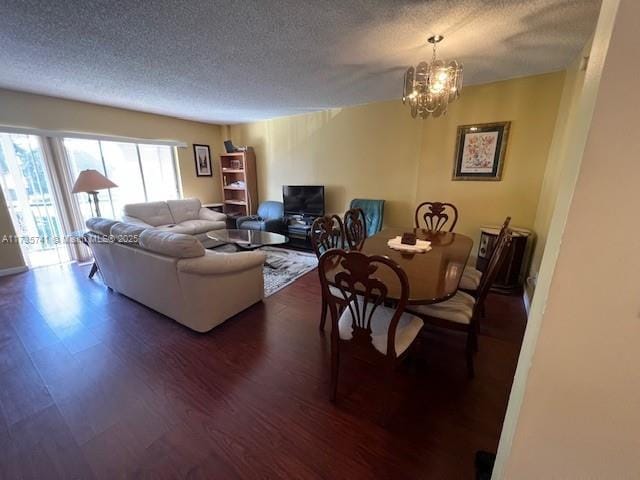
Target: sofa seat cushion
(470,278)
(458,309)
(101,226)
(171,244)
(152,213)
(186,209)
(196,227)
(407,330)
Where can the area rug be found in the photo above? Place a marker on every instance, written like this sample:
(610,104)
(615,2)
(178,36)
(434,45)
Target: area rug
(286,266)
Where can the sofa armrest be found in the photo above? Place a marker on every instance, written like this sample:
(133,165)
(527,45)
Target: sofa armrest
(213,263)
(135,221)
(206,214)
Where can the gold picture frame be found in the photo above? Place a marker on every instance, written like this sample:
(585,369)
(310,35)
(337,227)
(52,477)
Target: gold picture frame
(480,151)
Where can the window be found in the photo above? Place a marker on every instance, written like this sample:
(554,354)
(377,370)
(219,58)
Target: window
(142,172)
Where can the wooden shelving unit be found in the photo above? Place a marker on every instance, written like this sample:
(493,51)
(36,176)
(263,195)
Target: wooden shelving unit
(239,183)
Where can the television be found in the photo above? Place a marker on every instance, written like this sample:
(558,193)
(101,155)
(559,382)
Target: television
(305,200)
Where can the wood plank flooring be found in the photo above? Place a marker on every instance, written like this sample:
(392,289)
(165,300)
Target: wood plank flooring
(94,385)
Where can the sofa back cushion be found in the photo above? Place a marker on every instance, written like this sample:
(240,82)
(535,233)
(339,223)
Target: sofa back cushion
(101,226)
(152,213)
(182,210)
(127,233)
(176,245)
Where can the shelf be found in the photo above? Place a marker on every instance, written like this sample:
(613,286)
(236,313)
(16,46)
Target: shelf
(235,202)
(232,170)
(231,187)
(233,154)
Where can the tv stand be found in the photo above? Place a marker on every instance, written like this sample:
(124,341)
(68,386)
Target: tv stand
(299,232)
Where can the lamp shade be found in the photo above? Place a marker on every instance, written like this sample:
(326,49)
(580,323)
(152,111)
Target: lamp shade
(91,181)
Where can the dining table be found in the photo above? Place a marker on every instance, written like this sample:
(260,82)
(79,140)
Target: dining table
(434,275)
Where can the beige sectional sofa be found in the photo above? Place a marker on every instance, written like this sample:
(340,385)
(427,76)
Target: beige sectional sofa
(173,274)
(178,216)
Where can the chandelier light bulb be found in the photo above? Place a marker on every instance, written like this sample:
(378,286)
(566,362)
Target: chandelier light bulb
(430,87)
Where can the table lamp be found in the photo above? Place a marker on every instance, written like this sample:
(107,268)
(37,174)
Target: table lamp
(90,181)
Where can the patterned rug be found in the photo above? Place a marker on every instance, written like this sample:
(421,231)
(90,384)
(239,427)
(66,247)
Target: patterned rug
(288,266)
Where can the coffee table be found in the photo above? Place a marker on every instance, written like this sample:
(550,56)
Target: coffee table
(247,239)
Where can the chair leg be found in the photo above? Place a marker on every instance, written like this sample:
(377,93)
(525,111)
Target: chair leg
(471,339)
(323,314)
(335,367)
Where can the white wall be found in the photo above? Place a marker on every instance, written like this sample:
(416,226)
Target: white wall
(575,406)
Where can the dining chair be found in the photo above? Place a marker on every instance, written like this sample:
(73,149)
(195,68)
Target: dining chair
(355,228)
(362,323)
(327,232)
(436,216)
(471,276)
(461,311)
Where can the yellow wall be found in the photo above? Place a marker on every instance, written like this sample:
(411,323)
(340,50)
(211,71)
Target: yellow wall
(378,151)
(367,151)
(531,104)
(573,411)
(553,177)
(37,111)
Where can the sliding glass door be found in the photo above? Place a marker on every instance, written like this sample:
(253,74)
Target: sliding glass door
(27,186)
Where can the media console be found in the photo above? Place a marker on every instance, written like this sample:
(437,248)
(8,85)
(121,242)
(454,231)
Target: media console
(299,231)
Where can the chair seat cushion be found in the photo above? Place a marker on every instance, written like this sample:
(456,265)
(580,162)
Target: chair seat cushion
(408,328)
(470,278)
(458,309)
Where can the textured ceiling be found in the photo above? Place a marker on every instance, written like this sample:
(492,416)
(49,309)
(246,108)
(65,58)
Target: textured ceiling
(234,61)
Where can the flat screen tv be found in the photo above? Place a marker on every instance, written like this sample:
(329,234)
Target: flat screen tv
(303,199)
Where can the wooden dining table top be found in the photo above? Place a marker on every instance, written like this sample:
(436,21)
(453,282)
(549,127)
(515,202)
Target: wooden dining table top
(433,276)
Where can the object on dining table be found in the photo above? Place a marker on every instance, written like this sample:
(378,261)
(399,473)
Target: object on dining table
(421,246)
(408,239)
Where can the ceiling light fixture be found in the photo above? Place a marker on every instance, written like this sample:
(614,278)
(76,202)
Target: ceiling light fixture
(430,87)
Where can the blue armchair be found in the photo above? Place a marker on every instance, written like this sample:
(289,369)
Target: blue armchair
(373,213)
(270,218)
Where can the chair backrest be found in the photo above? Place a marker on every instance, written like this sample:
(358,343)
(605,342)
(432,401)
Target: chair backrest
(373,213)
(436,216)
(326,233)
(361,293)
(503,231)
(355,228)
(493,267)
(271,210)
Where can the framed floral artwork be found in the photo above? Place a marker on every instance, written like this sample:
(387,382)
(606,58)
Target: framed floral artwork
(480,151)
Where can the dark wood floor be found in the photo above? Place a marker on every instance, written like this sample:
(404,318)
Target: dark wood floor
(95,385)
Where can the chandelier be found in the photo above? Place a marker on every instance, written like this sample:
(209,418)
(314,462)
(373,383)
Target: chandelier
(429,87)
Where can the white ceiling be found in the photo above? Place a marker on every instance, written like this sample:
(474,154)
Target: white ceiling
(235,61)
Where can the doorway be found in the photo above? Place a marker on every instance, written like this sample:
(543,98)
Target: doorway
(27,186)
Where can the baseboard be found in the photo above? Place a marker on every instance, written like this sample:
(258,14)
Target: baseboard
(526,300)
(12,271)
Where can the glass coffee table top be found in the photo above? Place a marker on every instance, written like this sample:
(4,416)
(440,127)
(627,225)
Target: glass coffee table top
(247,239)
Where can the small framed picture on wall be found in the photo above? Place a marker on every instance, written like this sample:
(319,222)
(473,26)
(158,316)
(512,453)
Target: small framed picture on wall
(202,155)
(480,151)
